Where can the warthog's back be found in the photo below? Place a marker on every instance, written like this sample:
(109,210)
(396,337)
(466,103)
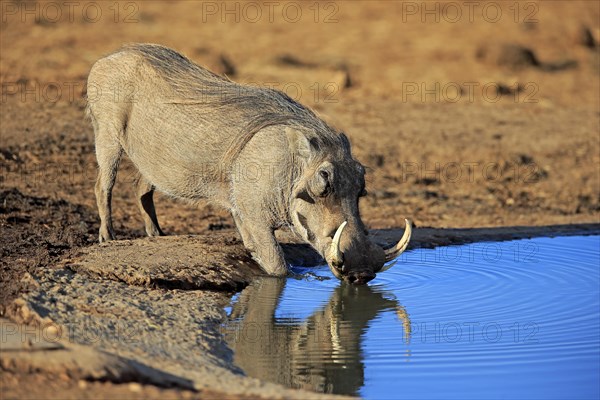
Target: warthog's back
(181,124)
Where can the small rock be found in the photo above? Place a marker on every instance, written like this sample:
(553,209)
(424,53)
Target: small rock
(135,387)
(228,67)
(347,79)
(383,194)
(293,61)
(51,332)
(585,38)
(376,160)
(341,79)
(529,26)
(504,89)
(508,55)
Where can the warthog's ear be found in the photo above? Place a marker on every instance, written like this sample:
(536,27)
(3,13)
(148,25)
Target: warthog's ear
(320,183)
(299,144)
(346,142)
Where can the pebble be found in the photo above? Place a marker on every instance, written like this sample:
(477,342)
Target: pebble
(135,387)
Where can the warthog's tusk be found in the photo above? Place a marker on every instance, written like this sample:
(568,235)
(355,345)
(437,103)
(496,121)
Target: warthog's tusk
(336,257)
(395,251)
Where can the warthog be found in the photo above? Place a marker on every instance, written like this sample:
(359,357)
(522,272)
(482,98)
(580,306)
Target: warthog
(193,134)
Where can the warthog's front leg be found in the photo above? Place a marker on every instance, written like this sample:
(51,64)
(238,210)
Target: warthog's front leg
(268,253)
(261,242)
(244,233)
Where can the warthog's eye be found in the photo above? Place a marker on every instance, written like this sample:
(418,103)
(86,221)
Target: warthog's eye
(325,187)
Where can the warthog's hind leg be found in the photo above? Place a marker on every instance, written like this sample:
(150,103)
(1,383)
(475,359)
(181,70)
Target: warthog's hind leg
(145,201)
(108,154)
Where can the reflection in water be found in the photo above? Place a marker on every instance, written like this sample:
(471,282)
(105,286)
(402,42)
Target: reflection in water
(322,352)
(488,320)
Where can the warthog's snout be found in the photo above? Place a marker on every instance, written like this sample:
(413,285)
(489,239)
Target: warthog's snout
(359,277)
(360,267)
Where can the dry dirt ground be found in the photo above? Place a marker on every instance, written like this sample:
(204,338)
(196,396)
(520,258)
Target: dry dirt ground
(467,116)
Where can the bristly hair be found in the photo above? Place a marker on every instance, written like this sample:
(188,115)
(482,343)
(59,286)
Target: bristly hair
(261,107)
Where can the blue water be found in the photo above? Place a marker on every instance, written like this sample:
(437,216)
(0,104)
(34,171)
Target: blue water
(516,319)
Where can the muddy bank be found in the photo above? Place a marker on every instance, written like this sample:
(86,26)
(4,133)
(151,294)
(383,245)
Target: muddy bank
(176,262)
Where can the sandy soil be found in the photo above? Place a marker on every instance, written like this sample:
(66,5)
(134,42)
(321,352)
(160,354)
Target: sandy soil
(462,122)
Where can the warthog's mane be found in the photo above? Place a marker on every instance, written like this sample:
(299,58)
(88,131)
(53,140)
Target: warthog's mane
(257,107)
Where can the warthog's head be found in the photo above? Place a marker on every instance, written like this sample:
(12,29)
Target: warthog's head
(324,211)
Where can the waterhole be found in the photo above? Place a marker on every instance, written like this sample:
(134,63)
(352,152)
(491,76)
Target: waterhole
(517,319)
